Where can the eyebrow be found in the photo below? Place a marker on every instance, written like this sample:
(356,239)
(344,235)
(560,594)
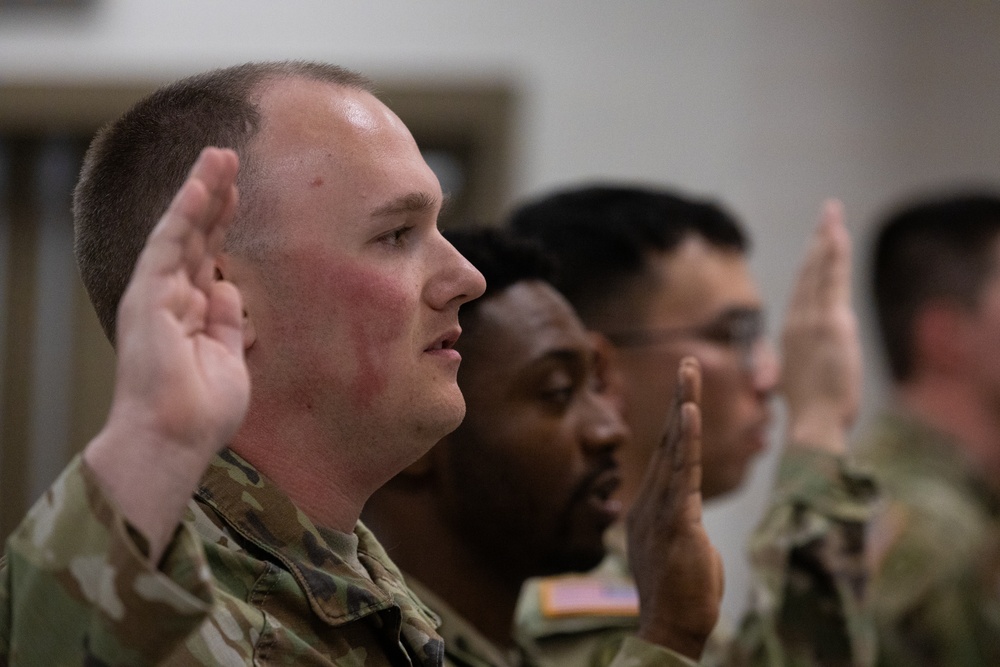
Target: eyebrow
(414,202)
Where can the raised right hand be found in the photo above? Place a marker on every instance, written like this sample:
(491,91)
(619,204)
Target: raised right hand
(677,570)
(821,374)
(182,386)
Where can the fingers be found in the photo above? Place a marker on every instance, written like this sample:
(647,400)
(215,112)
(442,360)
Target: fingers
(690,371)
(691,437)
(836,290)
(225,316)
(807,286)
(195,223)
(825,277)
(688,392)
(677,570)
(820,375)
(678,451)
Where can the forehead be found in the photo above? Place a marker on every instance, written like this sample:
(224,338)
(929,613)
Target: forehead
(301,113)
(523,324)
(698,281)
(317,137)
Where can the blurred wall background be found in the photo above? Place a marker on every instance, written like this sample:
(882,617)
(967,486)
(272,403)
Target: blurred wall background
(768,105)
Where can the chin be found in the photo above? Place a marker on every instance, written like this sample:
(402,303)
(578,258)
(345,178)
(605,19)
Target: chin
(444,415)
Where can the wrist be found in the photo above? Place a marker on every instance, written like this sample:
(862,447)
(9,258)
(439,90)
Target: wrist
(149,477)
(817,427)
(688,644)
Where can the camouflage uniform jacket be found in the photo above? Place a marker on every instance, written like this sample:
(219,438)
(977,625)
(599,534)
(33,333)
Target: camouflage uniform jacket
(465,646)
(936,591)
(247,579)
(806,599)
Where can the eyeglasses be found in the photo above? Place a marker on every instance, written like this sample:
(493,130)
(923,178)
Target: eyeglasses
(739,328)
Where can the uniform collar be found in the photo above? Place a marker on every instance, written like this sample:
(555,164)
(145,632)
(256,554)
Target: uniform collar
(464,644)
(257,509)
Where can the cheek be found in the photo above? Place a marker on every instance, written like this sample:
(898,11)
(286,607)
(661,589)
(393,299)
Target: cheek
(723,386)
(652,381)
(367,313)
(549,458)
(718,394)
(529,448)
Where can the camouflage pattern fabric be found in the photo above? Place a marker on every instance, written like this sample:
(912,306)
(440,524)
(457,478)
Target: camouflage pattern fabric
(553,638)
(247,580)
(464,645)
(936,550)
(807,598)
(73,583)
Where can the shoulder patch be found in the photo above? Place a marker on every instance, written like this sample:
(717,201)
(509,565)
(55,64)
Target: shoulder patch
(587,596)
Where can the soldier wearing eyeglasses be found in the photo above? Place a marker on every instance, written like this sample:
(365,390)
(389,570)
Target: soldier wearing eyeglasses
(661,276)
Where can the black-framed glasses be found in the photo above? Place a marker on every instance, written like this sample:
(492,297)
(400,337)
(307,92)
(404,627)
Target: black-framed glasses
(739,328)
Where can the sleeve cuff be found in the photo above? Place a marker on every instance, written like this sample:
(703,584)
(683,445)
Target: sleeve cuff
(635,652)
(74,562)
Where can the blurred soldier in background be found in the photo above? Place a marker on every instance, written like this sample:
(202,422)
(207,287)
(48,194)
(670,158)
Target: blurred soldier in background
(661,276)
(936,548)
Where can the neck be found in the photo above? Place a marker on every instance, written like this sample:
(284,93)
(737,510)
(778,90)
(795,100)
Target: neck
(328,475)
(958,410)
(318,493)
(426,548)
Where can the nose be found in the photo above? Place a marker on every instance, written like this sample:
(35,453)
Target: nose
(765,368)
(603,430)
(456,280)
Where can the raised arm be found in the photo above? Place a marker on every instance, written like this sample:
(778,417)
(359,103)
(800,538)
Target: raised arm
(821,377)
(677,570)
(810,581)
(181,386)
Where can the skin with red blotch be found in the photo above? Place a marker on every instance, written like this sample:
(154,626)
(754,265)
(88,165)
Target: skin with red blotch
(351,301)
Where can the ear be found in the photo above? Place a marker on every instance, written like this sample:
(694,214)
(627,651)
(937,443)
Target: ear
(224,271)
(940,343)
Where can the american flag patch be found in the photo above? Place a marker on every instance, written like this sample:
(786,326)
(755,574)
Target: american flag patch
(587,596)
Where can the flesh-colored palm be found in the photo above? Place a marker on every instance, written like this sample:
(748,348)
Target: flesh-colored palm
(180,350)
(182,386)
(678,571)
(821,375)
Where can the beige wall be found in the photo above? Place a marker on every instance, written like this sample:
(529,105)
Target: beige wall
(772,105)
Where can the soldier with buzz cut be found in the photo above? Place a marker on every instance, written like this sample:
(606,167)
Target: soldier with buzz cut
(936,449)
(282,353)
(205,525)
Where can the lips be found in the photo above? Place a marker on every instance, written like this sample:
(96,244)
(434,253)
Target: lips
(446,341)
(599,491)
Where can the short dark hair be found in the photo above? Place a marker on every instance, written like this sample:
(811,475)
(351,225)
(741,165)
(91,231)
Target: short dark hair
(932,248)
(602,236)
(502,259)
(136,164)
